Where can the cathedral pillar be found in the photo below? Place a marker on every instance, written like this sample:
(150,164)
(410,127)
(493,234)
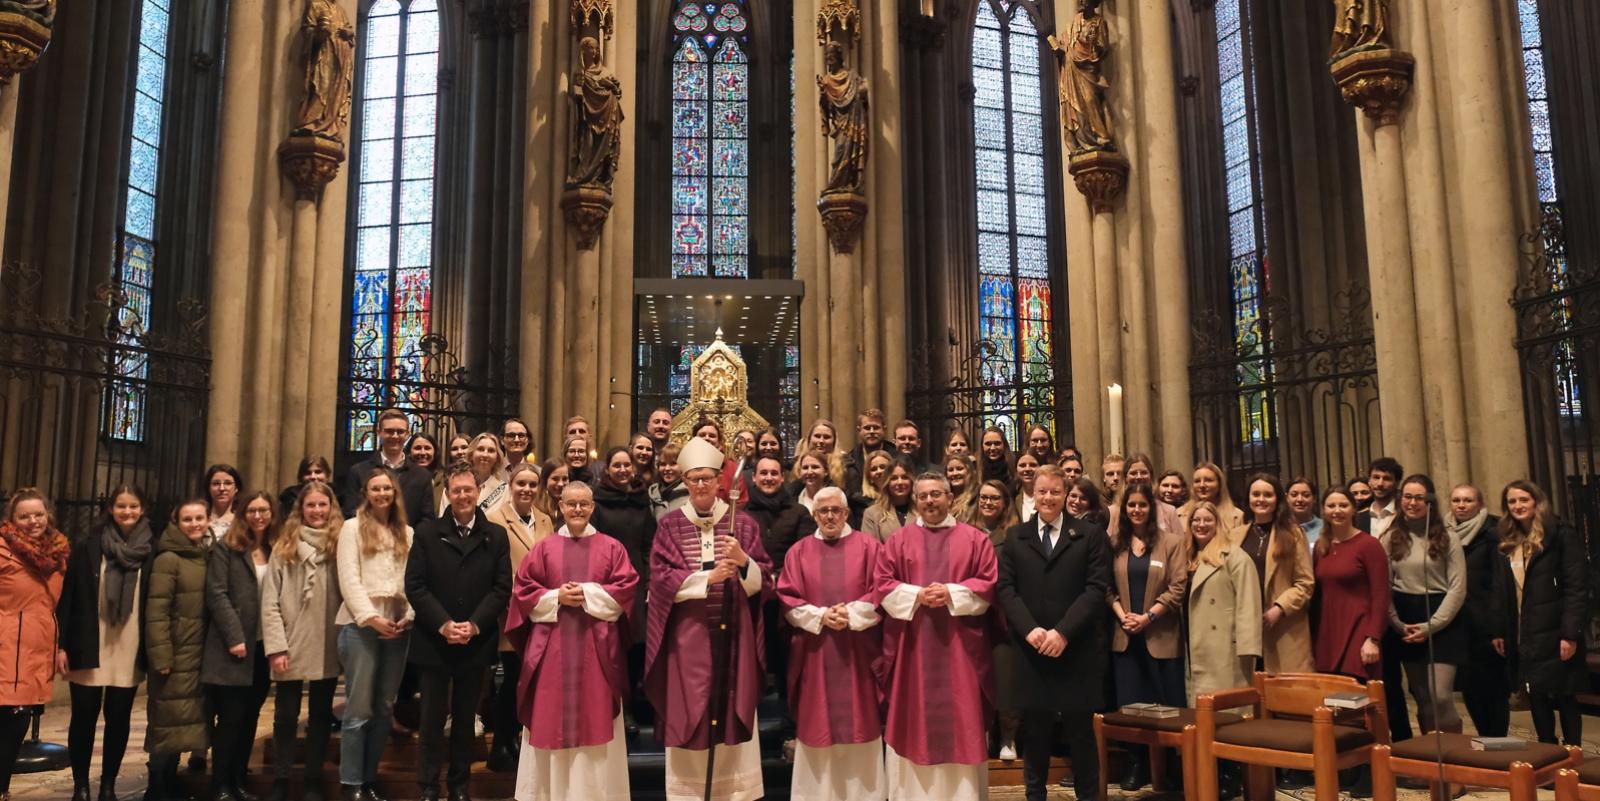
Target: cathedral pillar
(279,252)
(8,130)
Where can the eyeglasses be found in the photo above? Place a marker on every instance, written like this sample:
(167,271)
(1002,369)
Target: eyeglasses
(827,510)
(931,495)
(258,512)
(515,436)
(577,504)
(700,481)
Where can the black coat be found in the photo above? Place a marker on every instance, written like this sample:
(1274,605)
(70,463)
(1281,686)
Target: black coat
(233,607)
(461,579)
(783,522)
(1066,592)
(628,517)
(78,609)
(1479,612)
(1555,607)
(416,489)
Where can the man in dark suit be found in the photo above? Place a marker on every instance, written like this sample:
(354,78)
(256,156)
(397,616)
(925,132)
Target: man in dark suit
(416,484)
(458,579)
(1054,571)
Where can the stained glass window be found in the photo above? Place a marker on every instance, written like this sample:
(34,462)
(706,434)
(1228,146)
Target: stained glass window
(710,141)
(123,415)
(1544,176)
(1014,299)
(1246,240)
(392,295)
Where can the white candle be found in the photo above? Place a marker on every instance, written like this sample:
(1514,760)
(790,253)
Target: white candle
(1115,417)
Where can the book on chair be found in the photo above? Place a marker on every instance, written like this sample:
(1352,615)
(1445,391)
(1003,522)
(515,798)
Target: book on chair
(1498,743)
(1157,711)
(1346,701)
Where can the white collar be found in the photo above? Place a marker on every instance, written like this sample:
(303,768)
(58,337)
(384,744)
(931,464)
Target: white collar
(1386,510)
(847,532)
(948,522)
(588,529)
(384,457)
(1056,525)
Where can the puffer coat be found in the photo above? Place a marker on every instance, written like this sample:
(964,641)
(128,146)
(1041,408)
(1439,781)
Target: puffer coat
(27,630)
(175,634)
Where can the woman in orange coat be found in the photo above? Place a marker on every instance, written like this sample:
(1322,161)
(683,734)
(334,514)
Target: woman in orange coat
(33,562)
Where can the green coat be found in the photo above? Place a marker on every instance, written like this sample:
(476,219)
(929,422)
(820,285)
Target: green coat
(175,633)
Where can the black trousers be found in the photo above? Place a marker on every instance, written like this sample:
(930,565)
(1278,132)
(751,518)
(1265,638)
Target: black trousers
(14,723)
(1394,690)
(1037,738)
(1545,707)
(237,709)
(1486,689)
(503,711)
(286,724)
(87,704)
(452,690)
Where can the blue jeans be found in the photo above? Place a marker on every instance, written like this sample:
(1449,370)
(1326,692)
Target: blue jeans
(372,671)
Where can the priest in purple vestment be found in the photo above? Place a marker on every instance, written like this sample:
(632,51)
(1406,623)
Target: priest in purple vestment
(704,647)
(936,581)
(828,598)
(567,617)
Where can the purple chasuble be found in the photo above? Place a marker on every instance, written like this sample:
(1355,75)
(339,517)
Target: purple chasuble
(833,694)
(678,657)
(574,670)
(940,677)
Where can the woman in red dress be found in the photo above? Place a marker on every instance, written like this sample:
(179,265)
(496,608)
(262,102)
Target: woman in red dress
(1352,596)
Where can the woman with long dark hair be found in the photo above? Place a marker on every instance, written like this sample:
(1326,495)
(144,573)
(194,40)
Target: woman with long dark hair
(33,565)
(1428,583)
(893,509)
(1084,501)
(1544,587)
(1273,541)
(995,462)
(992,513)
(221,486)
(1351,602)
(101,618)
(234,666)
(312,468)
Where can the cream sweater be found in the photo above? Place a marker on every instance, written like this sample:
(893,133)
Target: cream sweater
(373,585)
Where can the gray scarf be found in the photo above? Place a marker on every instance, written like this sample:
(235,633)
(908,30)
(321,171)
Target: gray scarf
(1467,530)
(125,556)
(315,539)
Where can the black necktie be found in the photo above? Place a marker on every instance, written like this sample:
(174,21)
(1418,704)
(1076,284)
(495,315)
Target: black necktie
(1044,534)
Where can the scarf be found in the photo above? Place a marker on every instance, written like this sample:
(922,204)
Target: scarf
(1467,530)
(314,539)
(44,555)
(125,557)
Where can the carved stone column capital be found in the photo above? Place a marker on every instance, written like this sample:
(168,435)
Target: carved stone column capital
(1100,175)
(598,13)
(310,162)
(1375,80)
(843,214)
(587,208)
(25,30)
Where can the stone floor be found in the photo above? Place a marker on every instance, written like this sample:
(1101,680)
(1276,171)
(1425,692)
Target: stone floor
(57,786)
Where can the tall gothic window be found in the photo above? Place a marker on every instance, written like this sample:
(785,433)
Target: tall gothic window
(392,296)
(1544,173)
(1246,240)
(124,413)
(1013,243)
(710,140)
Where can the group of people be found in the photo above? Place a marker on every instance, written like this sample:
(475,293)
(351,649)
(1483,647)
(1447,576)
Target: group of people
(918,617)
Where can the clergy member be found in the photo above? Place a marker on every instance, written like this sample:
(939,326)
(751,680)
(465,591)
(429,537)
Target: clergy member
(937,580)
(567,605)
(703,651)
(828,598)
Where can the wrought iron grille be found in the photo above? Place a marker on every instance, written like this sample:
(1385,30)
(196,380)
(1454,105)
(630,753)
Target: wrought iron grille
(58,377)
(430,384)
(974,399)
(1557,304)
(1319,388)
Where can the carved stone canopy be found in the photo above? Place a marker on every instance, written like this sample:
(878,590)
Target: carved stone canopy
(719,389)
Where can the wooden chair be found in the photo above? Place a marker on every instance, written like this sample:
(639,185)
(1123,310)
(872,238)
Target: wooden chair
(1444,759)
(1291,729)
(1159,734)
(1580,782)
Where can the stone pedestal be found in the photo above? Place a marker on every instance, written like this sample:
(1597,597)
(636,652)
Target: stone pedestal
(843,214)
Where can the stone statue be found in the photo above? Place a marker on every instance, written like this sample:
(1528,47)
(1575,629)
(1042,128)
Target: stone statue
(1082,49)
(1361,23)
(845,120)
(596,121)
(330,63)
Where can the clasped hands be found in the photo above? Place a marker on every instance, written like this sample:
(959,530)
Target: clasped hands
(1048,642)
(837,617)
(388,629)
(935,595)
(733,560)
(458,633)
(570,594)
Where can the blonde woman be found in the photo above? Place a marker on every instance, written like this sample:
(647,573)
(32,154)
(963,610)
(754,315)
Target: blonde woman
(299,598)
(1207,484)
(488,462)
(1224,617)
(373,625)
(893,507)
(525,526)
(963,477)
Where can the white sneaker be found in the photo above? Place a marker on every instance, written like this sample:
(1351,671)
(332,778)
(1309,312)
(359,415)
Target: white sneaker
(1008,751)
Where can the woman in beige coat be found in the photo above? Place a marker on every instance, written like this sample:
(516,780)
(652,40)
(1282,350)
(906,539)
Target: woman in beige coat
(1224,606)
(1273,541)
(525,526)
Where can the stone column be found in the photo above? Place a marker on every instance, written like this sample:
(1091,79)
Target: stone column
(846,130)
(888,354)
(23,38)
(811,243)
(8,130)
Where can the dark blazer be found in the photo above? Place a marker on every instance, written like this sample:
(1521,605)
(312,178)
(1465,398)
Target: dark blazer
(1065,591)
(416,489)
(1479,612)
(233,606)
(1555,607)
(78,610)
(462,579)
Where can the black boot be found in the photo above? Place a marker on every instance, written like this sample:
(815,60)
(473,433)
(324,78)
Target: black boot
(108,788)
(1138,771)
(240,788)
(350,792)
(156,787)
(503,759)
(369,792)
(80,792)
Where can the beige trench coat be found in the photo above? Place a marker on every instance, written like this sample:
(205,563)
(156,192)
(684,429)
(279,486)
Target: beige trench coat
(521,538)
(1224,624)
(1286,647)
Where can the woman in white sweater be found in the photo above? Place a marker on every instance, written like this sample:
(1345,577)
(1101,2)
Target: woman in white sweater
(374,626)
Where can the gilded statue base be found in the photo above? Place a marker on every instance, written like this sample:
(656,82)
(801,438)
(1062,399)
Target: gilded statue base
(1375,80)
(1100,175)
(310,162)
(587,208)
(843,214)
(22,40)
